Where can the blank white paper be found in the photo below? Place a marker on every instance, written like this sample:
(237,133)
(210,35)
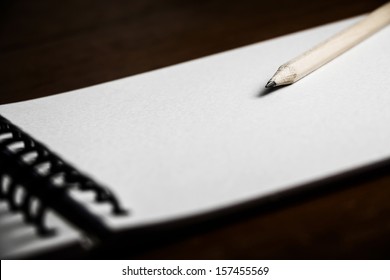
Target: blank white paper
(196,137)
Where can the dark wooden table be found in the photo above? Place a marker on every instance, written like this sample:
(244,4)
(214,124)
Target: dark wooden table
(48,47)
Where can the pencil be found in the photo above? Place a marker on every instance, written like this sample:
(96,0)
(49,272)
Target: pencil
(324,52)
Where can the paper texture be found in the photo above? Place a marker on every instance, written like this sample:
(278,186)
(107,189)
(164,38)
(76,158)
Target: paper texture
(197,137)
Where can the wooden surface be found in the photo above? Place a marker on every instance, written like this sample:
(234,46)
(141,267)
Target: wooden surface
(48,47)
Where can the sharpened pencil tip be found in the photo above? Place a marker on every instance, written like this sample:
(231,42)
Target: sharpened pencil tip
(270,84)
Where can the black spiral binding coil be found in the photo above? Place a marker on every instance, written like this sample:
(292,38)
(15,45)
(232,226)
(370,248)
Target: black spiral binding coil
(34,179)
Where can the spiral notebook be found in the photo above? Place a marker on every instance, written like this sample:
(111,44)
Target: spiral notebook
(186,141)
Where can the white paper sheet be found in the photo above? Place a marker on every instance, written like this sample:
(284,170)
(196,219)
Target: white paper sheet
(196,137)
(20,240)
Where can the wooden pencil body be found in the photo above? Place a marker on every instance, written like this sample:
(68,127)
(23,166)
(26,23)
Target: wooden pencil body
(321,54)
